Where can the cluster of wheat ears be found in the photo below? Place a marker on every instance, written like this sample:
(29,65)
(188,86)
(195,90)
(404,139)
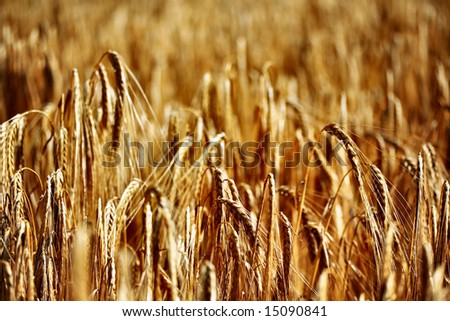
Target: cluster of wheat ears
(367,81)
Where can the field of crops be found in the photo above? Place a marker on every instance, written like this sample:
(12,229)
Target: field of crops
(225,150)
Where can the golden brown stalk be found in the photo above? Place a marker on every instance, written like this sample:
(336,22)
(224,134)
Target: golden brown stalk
(121,81)
(172,252)
(271,239)
(382,196)
(147,249)
(18,151)
(99,254)
(301,190)
(243,216)
(122,212)
(315,243)
(105,102)
(18,195)
(441,246)
(375,230)
(4,155)
(76,180)
(110,225)
(286,232)
(430,163)
(434,178)
(110,235)
(234,190)
(235,272)
(156,255)
(46,275)
(62,150)
(63,220)
(29,269)
(419,235)
(219,178)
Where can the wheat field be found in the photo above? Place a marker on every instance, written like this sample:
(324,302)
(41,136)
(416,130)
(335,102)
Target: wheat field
(224,150)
